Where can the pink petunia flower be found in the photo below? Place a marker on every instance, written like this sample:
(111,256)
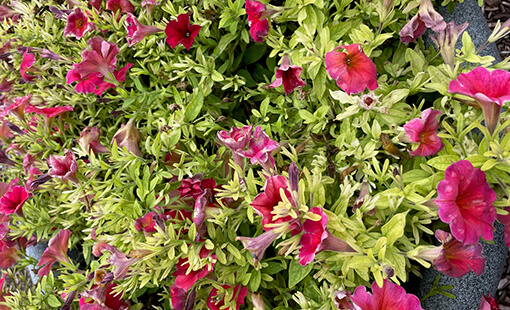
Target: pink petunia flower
(18,107)
(315,233)
(236,140)
(77,24)
(424,131)
(9,254)
(217,302)
(182,300)
(128,136)
(48,112)
(116,258)
(99,61)
(465,202)
(288,75)
(6,12)
(89,140)
(55,252)
(180,31)
(260,148)
(446,39)
(488,303)
(63,167)
(137,31)
(489,89)
(102,297)
(12,201)
(388,297)
(505,220)
(258,27)
(426,18)
(352,69)
(184,279)
(96,4)
(147,223)
(123,6)
(257,246)
(26,65)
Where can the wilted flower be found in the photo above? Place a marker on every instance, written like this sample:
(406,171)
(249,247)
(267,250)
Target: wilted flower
(427,17)
(352,70)
(128,136)
(63,167)
(26,65)
(185,279)
(193,187)
(117,259)
(55,252)
(424,131)
(315,233)
(445,40)
(236,140)
(260,148)
(180,31)
(137,31)
(78,24)
(257,246)
(123,6)
(489,89)
(388,297)
(89,140)
(6,85)
(488,303)
(217,302)
(12,201)
(258,27)
(288,75)
(465,202)
(46,53)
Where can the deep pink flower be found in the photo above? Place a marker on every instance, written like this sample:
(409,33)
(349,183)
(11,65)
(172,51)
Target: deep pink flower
(216,302)
(55,252)
(180,31)
(488,303)
(465,202)
(120,76)
(236,140)
(26,64)
(95,83)
(185,280)
(424,131)
(137,31)
(123,6)
(4,225)
(489,89)
(48,112)
(146,223)
(63,167)
(505,220)
(96,4)
(2,296)
(315,233)
(258,27)
(260,148)
(265,202)
(352,70)
(128,136)
(99,61)
(288,75)
(102,297)
(194,186)
(388,297)
(89,140)
(182,300)
(455,259)
(18,107)
(427,17)
(12,201)
(77,24)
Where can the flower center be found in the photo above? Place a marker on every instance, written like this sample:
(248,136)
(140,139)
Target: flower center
(79,23)
(187,34)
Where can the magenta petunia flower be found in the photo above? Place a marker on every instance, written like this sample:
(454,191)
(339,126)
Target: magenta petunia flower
(445,40)
(147,223)
(128,136)
(260,148)
(388,297)
(265,202)
(18,107)
(505,220)
(89,140)
(63,167)
(77,24)
(137,31)
(352,69)
(236,140)
(123,6)
(465,202)
(488,303)
(217,302)
(288,75)
(184,279)
(424,131)
(102,297)
(99,61)
(258,27)
(489,89)
(96,4)
(315,233)
(120,76)
(26,64)
(178,296)
(12,201)
(48,112)
(55,252)
(180,31)
(426,18)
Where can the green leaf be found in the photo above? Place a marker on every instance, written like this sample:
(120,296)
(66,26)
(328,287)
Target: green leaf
(53,301)
(394,229)
(442,162)
(255,280)
(254,53)
(194,107)
(297,272)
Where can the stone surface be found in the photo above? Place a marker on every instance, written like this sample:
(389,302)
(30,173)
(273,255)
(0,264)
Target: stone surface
(35,251)
(468,289)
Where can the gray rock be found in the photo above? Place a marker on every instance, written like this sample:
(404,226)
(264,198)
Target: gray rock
(35,251)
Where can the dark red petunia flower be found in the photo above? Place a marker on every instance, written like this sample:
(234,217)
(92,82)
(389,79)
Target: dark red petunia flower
(185,279)
(288,75)
(258,27)
(123,6)
(217,302)
(180,31)
(26,65)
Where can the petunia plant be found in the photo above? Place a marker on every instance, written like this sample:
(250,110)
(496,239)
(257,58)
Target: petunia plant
(242,154)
